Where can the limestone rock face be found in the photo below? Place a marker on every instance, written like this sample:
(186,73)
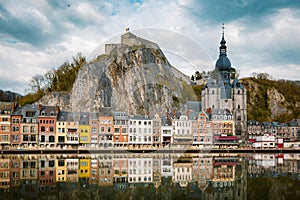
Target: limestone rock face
(277,103)
(132,76)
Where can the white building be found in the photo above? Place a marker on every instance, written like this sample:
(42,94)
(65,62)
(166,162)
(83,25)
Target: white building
(140,170)
(140,130)
(265,141)
(182,130)
(166,130)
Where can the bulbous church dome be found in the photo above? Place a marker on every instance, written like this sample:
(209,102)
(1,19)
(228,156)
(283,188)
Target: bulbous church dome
(223,63)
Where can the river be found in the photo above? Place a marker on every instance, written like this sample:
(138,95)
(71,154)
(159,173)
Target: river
(150,176)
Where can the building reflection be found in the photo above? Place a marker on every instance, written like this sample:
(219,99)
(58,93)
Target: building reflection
(209,176)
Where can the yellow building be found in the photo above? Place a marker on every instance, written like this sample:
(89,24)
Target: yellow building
(61,170)
(84,168)
(61,128)
(84,129)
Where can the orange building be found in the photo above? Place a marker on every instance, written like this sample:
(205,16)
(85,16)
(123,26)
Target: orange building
(120,132)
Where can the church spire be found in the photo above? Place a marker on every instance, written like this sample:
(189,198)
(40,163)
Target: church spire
(223,48)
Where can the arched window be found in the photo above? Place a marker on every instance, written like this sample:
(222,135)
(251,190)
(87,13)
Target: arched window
(43,113)
(52,113)
(239,107)
(213,92)
(238,92)
(213,106)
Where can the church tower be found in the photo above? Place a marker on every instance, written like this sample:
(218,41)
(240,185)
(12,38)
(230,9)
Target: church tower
(224,93)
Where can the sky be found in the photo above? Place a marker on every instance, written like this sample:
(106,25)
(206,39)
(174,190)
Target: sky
(39,35)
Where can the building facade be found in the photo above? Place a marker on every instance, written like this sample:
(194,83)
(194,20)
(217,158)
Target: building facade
(225,92)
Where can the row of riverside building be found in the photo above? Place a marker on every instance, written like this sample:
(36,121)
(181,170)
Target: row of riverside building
(49,175)
(48,126)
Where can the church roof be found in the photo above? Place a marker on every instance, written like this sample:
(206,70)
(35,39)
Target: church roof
(237,84)
(223,63)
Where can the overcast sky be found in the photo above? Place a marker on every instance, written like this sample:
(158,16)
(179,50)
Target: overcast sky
(38,35)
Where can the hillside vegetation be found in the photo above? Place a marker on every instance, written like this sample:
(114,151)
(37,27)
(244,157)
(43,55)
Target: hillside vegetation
(56,80)
(8,96)
(272,100)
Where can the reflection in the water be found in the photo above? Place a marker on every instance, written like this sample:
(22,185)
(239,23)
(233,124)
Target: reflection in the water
(160,176)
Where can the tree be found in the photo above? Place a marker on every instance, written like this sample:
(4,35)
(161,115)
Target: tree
(263,76)
(192,78)
(37,83)
(198,75)
(232,73)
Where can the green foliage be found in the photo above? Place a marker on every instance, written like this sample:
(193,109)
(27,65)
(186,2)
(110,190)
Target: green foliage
(197,90)
(61,79)
(175,100)
(198,75)
(259,109)
(30,98)
(192,78)
(188,93)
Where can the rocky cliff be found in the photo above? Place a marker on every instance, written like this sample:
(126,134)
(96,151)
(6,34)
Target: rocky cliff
(132,76)
(272,100)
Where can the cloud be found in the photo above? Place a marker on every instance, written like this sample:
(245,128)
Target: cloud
(37,36)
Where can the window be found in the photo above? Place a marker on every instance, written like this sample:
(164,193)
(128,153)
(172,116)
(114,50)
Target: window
(51,129)
(42,163)
(42,128)
(25,129)
(15,128)
(15,121)
(42,138)
(5,119)
(51,138)
(25,138)
(32,129)
(4,138)
(51,163)
(94,130)
(32,138)
(61,163)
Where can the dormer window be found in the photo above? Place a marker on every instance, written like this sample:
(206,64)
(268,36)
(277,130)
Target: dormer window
(43,113)
(52,113)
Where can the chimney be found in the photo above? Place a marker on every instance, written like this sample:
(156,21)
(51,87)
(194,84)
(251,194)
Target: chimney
(188,113)
(13,107)
(57,109)
(40,107)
